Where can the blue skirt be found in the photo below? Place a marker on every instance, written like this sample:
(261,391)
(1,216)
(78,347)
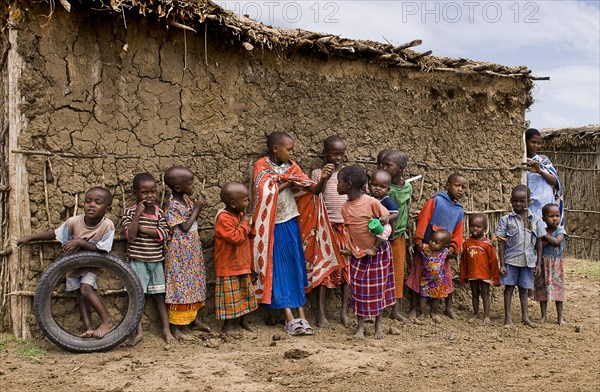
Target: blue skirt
(289,267)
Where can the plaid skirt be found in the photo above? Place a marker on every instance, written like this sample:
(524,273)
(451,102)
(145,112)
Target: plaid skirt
(372,282)
(234,296)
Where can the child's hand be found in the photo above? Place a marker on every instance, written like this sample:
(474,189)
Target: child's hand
(538,270)
(23,240)
(503,271)
(327,171)
(141,206)
(384,220)
(345,252)
(200,203)
(372,251)
(73,245)
(247,218)
(417,248)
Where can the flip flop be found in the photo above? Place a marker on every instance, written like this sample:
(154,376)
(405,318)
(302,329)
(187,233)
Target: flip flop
(295,328)
(308,330)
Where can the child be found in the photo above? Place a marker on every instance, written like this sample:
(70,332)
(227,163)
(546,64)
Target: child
(279,257)
(443,211)
(520,251)
(479,265)
(184,262)
(371,267)
(334,150)
(379,186)
(434,282)
(550,281)
(234,292)
(146,230)
(394,162)
(91,231)
(380,156)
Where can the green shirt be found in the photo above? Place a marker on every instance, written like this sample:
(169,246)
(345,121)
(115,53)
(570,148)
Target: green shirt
(401,195)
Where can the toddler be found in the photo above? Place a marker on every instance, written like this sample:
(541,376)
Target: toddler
(234,292)
(479,265)
(371,268)
(434,282)
(146,230)
(91,231)
(184,262)
(550,281)
(519,251)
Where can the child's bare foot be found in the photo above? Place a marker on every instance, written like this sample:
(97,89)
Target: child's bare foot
(411,314)
(450,313)
(543,320)
(87,334)
(562,322)
(135,339)
(379,333)
(436,318)
(528,322)
(345,320)
(508,323)
(421,317)
(473,319)
(198,325)
(103,329)
(247,326)
(322,322)
(486,320)
(359,335)
(166,334)
(397,316)
(176,333)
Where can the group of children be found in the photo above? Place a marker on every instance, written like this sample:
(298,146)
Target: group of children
(338,228)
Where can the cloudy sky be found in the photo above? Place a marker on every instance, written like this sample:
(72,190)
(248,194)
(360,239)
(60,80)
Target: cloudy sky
(556,38)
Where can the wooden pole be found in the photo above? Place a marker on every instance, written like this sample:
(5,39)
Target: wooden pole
(18,201)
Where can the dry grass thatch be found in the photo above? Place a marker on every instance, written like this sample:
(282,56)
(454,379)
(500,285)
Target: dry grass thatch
(561,139)
(192,14)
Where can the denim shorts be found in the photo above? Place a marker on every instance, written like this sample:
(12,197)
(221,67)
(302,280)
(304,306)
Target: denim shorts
(518,276)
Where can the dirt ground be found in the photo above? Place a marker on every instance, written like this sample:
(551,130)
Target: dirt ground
(450,356)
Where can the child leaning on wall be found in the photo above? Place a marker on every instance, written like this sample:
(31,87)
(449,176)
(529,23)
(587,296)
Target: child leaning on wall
(91,231)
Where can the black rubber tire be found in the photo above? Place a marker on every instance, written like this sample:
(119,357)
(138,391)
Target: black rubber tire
(56,333)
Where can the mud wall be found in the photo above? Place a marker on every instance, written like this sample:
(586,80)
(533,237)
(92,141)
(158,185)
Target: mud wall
(109,101)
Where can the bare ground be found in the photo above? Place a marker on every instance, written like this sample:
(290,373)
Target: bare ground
(450,356)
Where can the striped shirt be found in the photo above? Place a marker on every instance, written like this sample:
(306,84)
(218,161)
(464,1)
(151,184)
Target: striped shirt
(143,247)
(331,198)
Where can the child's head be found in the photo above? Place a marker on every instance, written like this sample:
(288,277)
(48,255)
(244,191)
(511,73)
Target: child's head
(519,198)
(533,141)
(97,202)
(144,188)
(235,196)
(379,185)
(180,180)
(439,240)
(381,156)
(456,185)
(394,162)
(334,149)
(351,177)
(551,215)
(280,146)
(477,225)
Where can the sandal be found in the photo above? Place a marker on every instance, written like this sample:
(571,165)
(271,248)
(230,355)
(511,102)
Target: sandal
(295,327)
(308,330)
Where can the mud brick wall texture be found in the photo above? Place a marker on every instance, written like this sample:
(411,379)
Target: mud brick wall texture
(142,98)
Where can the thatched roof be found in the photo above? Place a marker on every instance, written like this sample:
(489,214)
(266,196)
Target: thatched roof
(576,137)
(191,14)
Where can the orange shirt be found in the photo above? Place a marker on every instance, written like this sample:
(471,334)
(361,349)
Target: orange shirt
(479,261)
(356,215)
(232,253)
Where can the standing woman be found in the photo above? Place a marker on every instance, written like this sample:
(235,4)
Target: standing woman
(542,178)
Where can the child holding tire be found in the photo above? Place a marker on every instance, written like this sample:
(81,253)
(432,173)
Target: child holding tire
(91,231)
(146,230)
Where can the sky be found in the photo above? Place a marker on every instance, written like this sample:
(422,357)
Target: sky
(555,38)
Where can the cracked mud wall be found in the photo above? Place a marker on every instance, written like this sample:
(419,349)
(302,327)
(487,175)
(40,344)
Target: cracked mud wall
(142,99)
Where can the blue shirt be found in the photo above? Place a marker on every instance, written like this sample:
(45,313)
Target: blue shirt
(520,239)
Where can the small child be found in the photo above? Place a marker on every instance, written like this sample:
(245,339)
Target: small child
(434,282)
(371,267)
(443,211)
(550,281)
(520,252)
(394,162)
(91,231)
(479,265)
(278,253)
(234,292)
(146,230)
(379,186)
(184,262)
(334,150)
